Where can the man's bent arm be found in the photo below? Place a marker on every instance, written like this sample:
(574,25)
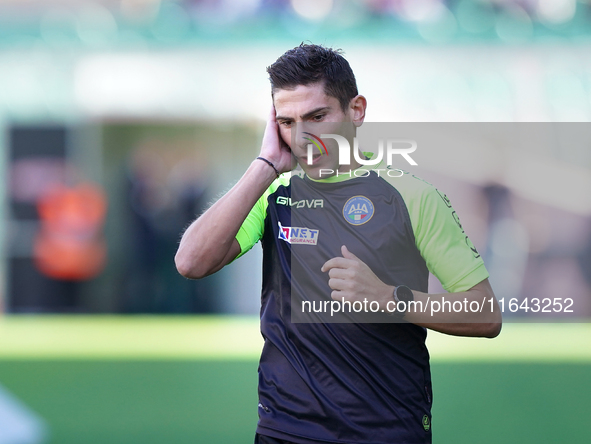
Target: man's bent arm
(430,311)
(485,323)
(351,279)
(210,241)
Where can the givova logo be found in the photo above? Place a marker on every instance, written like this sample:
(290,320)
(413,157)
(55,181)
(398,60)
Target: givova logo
(312,203)
(358,210)
(298,235)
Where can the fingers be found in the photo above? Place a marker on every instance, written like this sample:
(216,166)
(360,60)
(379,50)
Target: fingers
(340,262)
(338,295)
(338,284)
(347,254)
(336,262)
(340,273)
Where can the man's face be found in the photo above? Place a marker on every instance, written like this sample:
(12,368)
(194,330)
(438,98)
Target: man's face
(305,112)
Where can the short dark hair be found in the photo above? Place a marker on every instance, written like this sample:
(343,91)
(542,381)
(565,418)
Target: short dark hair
(308,64)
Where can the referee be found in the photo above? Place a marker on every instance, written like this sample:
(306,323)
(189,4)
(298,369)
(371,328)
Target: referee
(330,235)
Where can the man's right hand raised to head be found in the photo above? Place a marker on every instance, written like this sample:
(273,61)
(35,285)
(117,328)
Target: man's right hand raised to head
(209,243)
(274,148)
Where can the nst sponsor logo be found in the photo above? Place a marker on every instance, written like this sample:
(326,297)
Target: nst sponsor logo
(304,203)
(298,235)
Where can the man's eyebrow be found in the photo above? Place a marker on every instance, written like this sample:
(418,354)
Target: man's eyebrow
(307,115)
(315,111)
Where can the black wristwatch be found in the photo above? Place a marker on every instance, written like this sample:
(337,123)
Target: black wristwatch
(402,294)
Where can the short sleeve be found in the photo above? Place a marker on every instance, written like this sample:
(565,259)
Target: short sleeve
(448,252)
(252,229)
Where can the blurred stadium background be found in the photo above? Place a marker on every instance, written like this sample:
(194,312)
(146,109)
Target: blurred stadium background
(121,119)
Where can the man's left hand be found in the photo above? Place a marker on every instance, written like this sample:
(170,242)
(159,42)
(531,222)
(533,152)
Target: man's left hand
(353,280)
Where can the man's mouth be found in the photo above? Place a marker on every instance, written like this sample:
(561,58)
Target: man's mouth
(315,157)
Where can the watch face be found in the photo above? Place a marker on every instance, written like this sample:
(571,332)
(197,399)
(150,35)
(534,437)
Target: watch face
(403,293)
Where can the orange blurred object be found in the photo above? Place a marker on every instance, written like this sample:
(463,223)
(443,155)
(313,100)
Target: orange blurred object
(70,244)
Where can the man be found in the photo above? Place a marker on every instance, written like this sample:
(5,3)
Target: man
(355,238)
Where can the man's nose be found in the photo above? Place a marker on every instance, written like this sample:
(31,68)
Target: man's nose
(300,133)
(307,132)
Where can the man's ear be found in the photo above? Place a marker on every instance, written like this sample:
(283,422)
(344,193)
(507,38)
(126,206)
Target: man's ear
(357,107)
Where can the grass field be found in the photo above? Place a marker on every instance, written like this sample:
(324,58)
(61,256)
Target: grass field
(193,380)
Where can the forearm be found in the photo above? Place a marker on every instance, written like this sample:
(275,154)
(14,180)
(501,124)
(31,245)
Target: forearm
(352,280)
(207,242)
(475,312)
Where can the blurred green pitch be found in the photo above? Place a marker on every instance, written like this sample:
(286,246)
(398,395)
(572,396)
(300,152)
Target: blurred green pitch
(193,380)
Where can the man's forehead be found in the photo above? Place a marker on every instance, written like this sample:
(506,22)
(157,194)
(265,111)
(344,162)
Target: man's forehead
(301,100)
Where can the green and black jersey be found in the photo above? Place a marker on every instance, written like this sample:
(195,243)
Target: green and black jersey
(350,382)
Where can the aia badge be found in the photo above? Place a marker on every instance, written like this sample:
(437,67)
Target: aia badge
(358,210)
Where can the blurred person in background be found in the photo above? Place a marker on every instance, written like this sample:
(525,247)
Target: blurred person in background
(164,194)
